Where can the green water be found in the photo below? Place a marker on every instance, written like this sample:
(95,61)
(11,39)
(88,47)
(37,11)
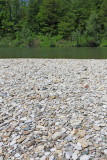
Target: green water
(73,53)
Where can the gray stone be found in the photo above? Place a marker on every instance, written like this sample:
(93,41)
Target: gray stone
(69,138)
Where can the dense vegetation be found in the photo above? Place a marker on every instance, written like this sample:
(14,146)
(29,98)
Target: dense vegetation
(52,23)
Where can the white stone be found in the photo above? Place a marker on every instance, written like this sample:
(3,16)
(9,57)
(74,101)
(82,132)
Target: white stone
(51,158)
(75,122)
(47,153)
(1,158)
(1,144)
(23,119)
(85,157)
(79,144)
(17,155)
(79,148)
(43,158)
(74,156)
(12,143)
(53,149)
(56,135)
(68,155)
(105,152)
(1,100)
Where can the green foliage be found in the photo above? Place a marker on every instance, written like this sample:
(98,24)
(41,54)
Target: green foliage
(48,41)
(5,42)
(104,43)
(93,30)
(50,23)
(49,16)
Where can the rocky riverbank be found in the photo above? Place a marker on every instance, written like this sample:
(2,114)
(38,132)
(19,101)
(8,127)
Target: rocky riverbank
(53,109)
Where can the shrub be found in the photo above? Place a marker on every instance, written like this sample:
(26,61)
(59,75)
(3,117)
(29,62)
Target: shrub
(104,43)
(5,42)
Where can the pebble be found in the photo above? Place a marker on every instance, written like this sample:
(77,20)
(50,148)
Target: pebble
(13,142)
(85,157)
(39,148)
(26,132)
(74,156)
(86,85)
(97,128)
(20,140)
(1,151)
(68,155)
(83,142)
(105,152)
(1,144)
(56,136)
(51,109)
(69,138)
(1,158)
(17,155)
(75,122)
(52,158)
(30,143)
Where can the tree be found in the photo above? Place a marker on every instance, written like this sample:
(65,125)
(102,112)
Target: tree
(93,29)
(33,9)
(51,11)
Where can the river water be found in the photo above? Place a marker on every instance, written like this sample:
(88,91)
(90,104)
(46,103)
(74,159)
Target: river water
(72,53)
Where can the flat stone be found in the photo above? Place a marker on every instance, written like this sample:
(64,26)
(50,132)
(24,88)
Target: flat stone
(43,158)
(104,98)
(39,148)
(75,122)
(17,155)
(26,132)
(1,100)
(53,149)
(81,133)
(68,155)
(1,144)
(1,158)
(97,128)
(1,151)
(56,136)
(40,127)
(105,152)
(74,131)
(85,157)
(103,124)
(20,140)
(13,142)
(27,128)
(83,142)
(69,138)
(52,157)
(23,119)
(30,143)
(79,148)
(74,156)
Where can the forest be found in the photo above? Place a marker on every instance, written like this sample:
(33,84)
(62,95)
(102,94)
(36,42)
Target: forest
(53,23)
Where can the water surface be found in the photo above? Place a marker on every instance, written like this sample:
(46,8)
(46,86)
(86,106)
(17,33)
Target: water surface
(73,53)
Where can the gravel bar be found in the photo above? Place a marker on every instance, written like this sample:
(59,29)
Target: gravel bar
(53,109)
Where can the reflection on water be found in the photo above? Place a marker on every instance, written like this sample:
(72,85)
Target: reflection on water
(73,53)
